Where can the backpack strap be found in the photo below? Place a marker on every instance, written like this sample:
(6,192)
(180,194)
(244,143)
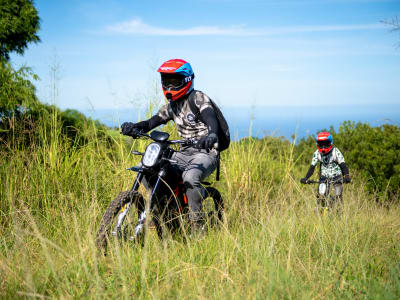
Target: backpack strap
(170,111)
(218,166)
(195,110)
(192,104)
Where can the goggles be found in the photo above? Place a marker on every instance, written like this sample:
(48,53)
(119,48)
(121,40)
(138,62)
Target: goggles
(172,81)
(324,144)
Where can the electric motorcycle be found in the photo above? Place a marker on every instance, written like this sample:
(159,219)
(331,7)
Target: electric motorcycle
(130,215)
(325,199)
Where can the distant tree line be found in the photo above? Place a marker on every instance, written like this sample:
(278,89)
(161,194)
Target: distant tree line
(23,118)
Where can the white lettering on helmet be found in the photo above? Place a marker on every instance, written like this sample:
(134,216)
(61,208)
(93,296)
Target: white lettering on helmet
(167,68)
(189,78)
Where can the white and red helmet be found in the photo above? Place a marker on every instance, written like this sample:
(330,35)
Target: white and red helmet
(176,78)
(324,142)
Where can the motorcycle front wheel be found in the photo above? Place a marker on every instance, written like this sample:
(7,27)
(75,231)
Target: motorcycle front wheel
(119,212)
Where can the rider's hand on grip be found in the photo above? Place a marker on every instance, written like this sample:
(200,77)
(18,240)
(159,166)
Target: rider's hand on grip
(126,128)
(131,129)
(207,142)
(303,180)
(346,179)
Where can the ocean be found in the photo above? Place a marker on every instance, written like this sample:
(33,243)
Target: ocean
(275,120)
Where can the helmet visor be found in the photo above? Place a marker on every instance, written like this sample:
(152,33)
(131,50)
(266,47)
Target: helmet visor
(324,144)
(172,81)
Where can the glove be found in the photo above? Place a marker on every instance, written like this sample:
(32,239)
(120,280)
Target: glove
(303,180)
(346,178)
(207,142)
(128,128)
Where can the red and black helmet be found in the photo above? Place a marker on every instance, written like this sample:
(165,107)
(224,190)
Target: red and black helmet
(176,78)
(324,142)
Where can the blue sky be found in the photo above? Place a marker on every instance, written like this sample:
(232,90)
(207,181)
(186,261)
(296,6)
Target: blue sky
(243,52)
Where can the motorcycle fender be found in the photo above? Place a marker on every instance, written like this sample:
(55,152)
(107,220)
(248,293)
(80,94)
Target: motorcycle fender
(135,169)
(322,188)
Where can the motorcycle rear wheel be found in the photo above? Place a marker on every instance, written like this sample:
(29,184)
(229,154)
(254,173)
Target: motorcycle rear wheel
(176,220)
(213,205)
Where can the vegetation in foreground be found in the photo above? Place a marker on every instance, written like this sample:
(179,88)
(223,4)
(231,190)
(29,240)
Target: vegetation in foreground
(273,245)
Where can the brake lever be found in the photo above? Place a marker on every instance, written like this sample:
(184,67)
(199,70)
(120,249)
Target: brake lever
(170,160)
(137,152)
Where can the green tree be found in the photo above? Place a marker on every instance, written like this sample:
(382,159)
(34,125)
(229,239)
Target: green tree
(374,152)
(17,92)
(19,22)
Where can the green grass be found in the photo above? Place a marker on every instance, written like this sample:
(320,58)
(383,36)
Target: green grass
(273,246)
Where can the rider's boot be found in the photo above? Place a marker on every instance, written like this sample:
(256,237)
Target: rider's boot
(197,229)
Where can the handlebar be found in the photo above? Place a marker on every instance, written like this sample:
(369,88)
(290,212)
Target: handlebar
(312,181)
(183,142)
(137,134)
(189,142)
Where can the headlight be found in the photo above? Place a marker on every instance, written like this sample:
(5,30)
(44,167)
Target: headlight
(322,188)
(151,155)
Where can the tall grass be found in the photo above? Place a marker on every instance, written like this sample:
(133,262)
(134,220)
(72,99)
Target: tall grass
(274,245)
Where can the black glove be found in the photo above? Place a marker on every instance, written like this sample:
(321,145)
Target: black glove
(207,142)
(129,128)
(304,180)
(346,179)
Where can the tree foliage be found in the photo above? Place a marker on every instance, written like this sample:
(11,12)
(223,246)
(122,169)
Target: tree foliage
(17,91)
(31,126)
(394,24)
(19,22)
(373,151)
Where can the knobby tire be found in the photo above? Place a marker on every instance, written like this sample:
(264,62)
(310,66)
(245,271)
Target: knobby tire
(218,202)
(112,211)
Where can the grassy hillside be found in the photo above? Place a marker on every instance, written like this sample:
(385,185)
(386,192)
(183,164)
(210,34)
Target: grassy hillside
(273,245)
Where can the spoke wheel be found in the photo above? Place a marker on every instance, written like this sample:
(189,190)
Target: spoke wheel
(107,228)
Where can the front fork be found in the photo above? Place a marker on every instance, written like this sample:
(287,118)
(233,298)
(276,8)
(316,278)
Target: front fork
(139,228)
(121,217)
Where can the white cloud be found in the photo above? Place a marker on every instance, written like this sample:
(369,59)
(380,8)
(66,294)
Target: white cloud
(137,27)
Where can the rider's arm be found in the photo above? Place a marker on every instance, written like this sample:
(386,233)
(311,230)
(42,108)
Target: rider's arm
(342,163)
(162,117)
(209,117)
(344,168)
(151,123)
(310,171)
(314,162)
(207,113)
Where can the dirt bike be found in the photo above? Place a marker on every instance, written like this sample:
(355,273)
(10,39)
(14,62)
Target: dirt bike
(167,205)
(325,200)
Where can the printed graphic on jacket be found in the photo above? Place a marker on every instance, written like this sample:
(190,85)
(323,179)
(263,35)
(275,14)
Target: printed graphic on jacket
(329,163)
(188,127)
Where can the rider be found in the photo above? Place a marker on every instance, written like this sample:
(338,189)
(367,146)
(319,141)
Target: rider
(333,166)
(196,162)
